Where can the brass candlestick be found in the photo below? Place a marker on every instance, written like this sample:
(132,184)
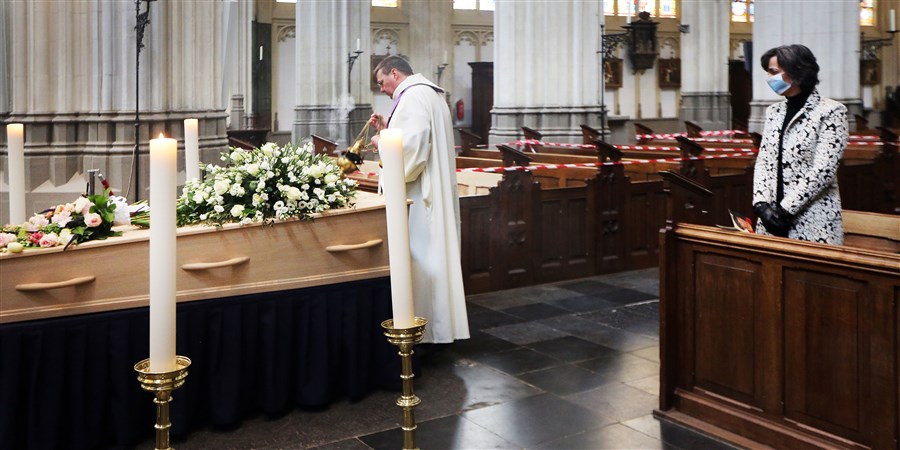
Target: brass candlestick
(162,384)
(405,338)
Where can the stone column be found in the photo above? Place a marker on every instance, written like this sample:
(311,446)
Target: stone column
(546,69)
(431,38)
(326,105)
(236,66)
(705,99)
(4,66)
(830,29)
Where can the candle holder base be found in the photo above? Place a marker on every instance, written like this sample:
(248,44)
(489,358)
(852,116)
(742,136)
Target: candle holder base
(405,339)
(162,384)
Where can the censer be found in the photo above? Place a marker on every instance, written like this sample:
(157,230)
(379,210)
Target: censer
(350,159)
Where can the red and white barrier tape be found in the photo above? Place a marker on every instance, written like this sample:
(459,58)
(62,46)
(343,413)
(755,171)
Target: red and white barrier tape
(597,164)
(671,149)
(702,133)
(523,142)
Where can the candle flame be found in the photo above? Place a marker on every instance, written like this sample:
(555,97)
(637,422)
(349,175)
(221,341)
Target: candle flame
(161,136)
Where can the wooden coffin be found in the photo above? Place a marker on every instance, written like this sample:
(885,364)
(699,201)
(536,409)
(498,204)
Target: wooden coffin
(780,342)
(338,246)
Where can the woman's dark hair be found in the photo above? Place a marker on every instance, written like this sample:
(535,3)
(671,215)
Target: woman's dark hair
(799,63)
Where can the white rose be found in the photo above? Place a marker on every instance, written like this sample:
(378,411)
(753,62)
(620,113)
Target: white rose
(198,197)
(80,204)
(218,208)
(236,210)
(221,186)
(292,193)
(331,178)
(252,169)
(64,236)
(268,148)
(237,156)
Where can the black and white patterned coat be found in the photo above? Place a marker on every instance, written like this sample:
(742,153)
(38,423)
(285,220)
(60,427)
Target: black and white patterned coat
(814,142)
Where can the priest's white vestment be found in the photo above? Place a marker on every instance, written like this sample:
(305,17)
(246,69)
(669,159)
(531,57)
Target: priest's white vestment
(434,222)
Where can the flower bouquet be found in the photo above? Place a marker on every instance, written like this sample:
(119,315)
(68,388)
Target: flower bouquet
(264,184)
(89,217)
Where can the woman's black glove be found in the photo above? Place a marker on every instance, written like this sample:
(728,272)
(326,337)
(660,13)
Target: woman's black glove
(777,221)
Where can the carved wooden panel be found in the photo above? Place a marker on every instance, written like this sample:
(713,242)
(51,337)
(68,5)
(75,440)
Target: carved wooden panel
(564,249)
(611,187)
(725,347)
(646,214)
(513,203)
(825,314)
(475,215)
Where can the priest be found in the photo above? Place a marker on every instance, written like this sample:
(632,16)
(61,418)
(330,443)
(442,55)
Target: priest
(434,222)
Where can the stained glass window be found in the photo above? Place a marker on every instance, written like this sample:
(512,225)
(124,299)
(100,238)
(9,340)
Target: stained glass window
(867,13)
(484,5)
(609,7)
(742,11)
(667,8)
(657,8)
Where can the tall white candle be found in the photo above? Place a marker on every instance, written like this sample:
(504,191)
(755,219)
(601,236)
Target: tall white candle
(445,56)
(163,165)
(260,52)
(191,150)
(893,17)
(390,147)
(357,44)
(15,150)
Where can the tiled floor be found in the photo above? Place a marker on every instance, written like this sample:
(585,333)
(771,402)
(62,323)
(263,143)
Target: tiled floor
(571,365)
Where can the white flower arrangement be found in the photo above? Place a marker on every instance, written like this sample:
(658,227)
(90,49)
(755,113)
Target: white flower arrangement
(263,184)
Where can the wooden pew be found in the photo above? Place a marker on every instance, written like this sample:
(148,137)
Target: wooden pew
(469,140)
(781,343)
(323,146)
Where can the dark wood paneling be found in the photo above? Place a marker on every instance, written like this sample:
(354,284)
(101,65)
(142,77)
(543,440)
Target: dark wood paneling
(823,315)
(791,344)
(475,214)
(725,348)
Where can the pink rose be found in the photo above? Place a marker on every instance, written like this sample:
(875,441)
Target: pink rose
(92,220)
(35,237)
(49,240)
(6,238)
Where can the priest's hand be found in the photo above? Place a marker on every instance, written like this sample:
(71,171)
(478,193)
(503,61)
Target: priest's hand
(377,121)
(777,221)
(374,141)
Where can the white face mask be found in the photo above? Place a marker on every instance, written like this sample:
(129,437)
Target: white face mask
(777,83)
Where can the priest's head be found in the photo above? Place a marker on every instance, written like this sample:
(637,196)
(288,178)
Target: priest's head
(390,72)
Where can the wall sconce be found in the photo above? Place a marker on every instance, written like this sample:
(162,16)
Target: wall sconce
(869,47)
(639,37)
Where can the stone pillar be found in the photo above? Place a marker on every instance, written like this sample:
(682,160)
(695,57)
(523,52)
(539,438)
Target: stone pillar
(431,38)
(705,99)
(236,69)
(830,29)
(326,105)
(4,66)
(547,76)
(71,69)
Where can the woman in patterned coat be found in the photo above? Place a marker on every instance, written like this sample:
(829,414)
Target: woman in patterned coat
(795,190)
